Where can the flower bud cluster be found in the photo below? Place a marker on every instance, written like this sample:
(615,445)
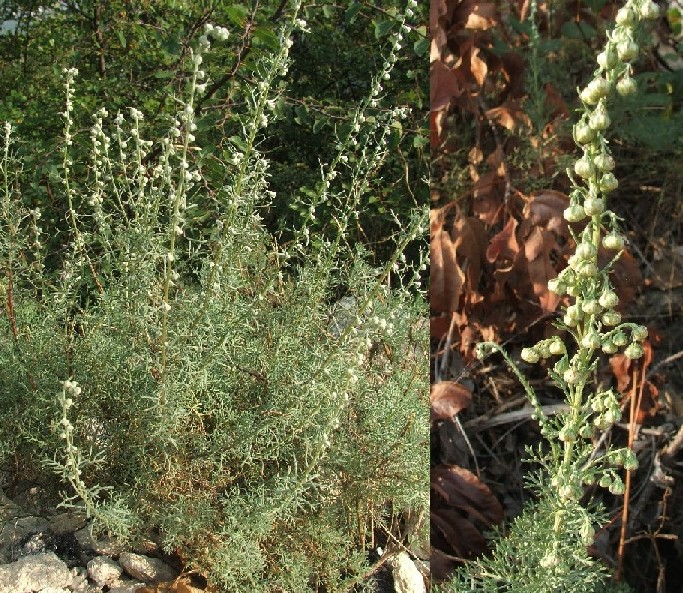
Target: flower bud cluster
(544,349)
(614,72)
(592,318)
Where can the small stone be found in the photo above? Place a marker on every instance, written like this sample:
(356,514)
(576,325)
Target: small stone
(79,581)
(38,542)
(106,546)
(145,568)
(127,586)
(104,571)
(407,578)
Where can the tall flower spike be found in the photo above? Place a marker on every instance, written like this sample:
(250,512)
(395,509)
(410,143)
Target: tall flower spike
(591,321)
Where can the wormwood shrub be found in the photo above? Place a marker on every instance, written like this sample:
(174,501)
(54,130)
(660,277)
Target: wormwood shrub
(545,549)
(211,387)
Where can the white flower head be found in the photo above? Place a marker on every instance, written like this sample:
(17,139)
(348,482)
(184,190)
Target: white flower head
(221,33)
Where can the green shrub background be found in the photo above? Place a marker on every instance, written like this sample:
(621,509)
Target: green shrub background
(226,397)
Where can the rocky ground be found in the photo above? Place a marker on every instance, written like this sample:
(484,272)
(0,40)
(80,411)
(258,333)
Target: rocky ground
(54,552)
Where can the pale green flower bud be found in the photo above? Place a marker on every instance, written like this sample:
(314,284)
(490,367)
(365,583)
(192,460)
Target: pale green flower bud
(608,299)
(587,532)
(633,351)
(575,261)
(600,422)
(598,403)
(543,350)
(613,241)
(599,120)
(567,435)
(609,347)
(627,50)
(604,162)
(627,86)
(599,87)
(574,311)
(617,486)
(586,250)
(589,96)
(571,376)
(649,10)
(630,460)
(584,168)
(605,481)
(625,17)
(591,340)
(611,318)
(592,307)
(550,560)
(557,286)
(583,133)
(594,206)
(608,182)
(570,321)
(608,58)
(639,333)
(574,213)
(567,492)
(557,347)
(530,355)
(620,338)
(588,270)
(612,416)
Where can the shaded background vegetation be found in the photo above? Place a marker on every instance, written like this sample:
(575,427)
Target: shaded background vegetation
(129,53)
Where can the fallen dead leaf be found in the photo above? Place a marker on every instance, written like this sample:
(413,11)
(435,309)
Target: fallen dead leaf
(538,250)
(510,116)
(446,279)
(462,508)
(478,67)
(448,398)
(472,14)
(443,86)
(546,208)
(504,245)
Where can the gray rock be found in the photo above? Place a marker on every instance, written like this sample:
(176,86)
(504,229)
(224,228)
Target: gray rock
(8,509)
(106,546)
(17,531)
(34,573)
(407,578)
(32,500)
(67,522)
(145,568)
(38,542)
(104,571)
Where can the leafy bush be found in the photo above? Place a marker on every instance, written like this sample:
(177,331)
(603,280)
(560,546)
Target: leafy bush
(201,378)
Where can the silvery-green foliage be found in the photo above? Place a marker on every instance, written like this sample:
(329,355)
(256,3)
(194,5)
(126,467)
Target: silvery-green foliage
(546,547)
(195,382)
